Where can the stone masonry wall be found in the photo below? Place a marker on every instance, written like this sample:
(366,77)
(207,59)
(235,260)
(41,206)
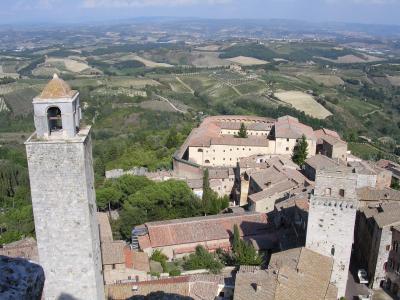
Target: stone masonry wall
(331,223)
(384,241)
(63,198)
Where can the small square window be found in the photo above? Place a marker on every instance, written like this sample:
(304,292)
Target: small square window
(287,148)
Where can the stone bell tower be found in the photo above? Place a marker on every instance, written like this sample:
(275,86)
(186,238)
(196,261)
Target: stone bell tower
(63,196)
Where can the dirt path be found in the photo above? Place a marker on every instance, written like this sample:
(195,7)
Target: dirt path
(185,85)
(171,104)
(372,112)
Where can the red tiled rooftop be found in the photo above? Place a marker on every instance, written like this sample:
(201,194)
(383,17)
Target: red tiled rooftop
(202,229)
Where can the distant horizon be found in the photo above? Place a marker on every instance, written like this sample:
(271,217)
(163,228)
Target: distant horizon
(192,18)
(366,12)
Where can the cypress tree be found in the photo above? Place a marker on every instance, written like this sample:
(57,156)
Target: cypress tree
(300,152)
(242,131)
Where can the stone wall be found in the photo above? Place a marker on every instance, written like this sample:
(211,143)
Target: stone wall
(331,222)
(64,207)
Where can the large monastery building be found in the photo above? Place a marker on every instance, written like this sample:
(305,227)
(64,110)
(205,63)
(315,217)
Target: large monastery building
(215,143)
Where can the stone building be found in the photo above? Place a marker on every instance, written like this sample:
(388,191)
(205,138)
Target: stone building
(189,287)
(373,197)
(374,240)
(272,185)
(256,163)
(331,220)
(331,145)
(318,162)
(177,238)
(120,262)
(371,175)
(291,219)
(62,187)
(299,273)
(392,282)
(214,142)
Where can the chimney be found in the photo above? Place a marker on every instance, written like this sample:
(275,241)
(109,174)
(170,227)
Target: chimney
(257,286)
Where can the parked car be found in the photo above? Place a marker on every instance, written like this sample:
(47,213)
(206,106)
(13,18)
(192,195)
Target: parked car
(362,276)
(364,297)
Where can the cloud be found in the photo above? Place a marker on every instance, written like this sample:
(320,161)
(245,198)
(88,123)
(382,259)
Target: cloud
(130,3)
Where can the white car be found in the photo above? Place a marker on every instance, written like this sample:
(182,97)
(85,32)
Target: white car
(362,276)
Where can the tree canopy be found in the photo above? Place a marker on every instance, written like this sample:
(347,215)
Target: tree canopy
(300,152)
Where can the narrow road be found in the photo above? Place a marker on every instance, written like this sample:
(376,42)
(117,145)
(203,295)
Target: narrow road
(185,85)
(171,104)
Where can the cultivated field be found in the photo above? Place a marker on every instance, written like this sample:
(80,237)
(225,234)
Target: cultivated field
(304,102)
(247,61)
(207,59)
(71,65)
(394,80)
(351,59)
(210,48)
(150,63)
(327,80)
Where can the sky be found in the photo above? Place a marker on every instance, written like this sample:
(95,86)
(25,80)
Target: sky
(59,11)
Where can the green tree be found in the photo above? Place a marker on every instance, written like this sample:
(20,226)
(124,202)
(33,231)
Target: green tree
(202,259)
(236,239)
(172,139)
(212,203)
(300,152)
(242,131)
(107,197)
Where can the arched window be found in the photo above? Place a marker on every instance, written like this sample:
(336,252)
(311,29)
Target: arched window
(333,250)
(54,119)
(341,192)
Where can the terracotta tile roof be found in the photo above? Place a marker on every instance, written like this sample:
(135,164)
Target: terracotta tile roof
(233,141)
(249,126)
(136,260)
(201,229)
(268,176)
(210,129)
(278,188)
(386,214)
(254,284)
(320,133)
(289,127)
(320,162)
(26,248)
(371,194)
(293,274)
(203,290)
(113,252)
(104,227)
(175,285)
(55,89)
(277,180)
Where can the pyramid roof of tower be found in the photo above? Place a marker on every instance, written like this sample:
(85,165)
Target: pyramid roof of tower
(56,89)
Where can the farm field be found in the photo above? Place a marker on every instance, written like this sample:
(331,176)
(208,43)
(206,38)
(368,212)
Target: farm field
(206,59)
(71,65)
(351,59)
(147,62)
(326,80)
(394,80)
(304,102)
(247,61)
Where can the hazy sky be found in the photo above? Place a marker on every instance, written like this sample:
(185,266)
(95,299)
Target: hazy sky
(364,11)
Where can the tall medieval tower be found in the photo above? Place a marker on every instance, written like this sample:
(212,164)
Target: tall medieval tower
(63,196)
(331,220)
